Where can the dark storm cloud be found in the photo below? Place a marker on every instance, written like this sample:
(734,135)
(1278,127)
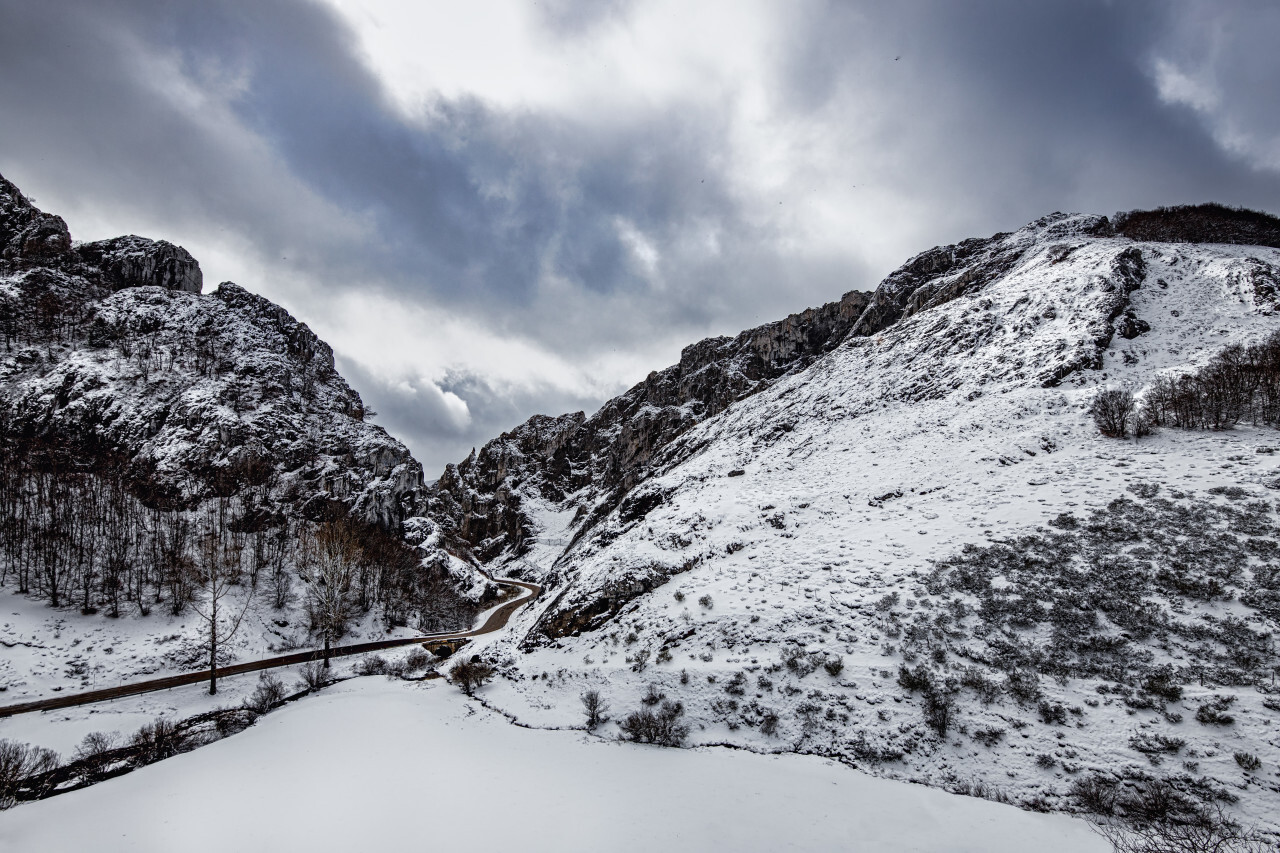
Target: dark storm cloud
(471,205)
(260,118)
(1015,109)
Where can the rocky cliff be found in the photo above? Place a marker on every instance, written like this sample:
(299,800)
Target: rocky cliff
(920,555)
(110,348)
(593,463)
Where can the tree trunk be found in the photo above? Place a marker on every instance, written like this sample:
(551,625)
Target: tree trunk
(326,650)
(213,640)
(213,661)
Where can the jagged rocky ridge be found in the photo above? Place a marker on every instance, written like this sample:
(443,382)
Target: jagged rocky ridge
(111,348)
(938,353)
(594,463)
(918,554)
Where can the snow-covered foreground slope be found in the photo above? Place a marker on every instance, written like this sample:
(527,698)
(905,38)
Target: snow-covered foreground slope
(377,765)
(811,524)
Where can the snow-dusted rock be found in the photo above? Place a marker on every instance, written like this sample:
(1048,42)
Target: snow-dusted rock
(932,492)
(138,262)
(117,352)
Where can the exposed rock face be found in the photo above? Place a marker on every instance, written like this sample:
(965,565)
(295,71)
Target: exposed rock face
(110,351)
(138,262)
(28,235)
(1032,315)
(944,273)
(598,460)
(594,465)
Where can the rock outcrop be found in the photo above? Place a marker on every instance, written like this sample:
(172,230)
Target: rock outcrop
(111,352)
(479,503)
(138,262)
(27,234)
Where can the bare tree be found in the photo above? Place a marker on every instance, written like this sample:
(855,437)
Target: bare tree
(19,762)
(596,709)
(1112,410)
(220,562)
(329,559)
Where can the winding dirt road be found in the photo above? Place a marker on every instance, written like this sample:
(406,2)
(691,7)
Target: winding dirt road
(496,621)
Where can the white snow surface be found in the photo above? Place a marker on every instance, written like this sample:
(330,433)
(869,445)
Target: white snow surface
(947,408)
(379,765)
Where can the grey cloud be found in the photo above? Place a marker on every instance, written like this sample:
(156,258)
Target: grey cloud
(576,18)
(1228,50)
(1013,109)
(983,114)
(418,415)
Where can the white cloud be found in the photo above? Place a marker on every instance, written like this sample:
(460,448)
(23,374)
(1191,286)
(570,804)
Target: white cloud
(1211,61)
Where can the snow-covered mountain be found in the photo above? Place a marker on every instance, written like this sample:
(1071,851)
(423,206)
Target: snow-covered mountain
(886,530)
(112,345)
(486,505)
(142,419)
(913,549)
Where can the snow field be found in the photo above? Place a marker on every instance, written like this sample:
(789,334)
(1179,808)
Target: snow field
(372,764)
(888,454)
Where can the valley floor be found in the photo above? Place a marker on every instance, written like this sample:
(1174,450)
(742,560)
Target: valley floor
(376,764)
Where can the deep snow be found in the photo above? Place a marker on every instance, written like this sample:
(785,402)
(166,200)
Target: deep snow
(378,765)
(945,414)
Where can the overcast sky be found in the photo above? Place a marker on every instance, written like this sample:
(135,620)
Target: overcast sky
(496,209)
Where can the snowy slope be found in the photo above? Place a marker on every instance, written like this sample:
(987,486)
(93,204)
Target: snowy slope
(802,510)
(116,369)
(373,765)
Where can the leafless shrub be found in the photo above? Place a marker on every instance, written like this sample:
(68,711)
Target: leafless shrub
(313,675)
(1096,794)
(661,726)
(1211,831)
(596,709)
(158,740)
(988,736)
(269,693)
(1214,712)
(469,675)
(417,658)
(372,665)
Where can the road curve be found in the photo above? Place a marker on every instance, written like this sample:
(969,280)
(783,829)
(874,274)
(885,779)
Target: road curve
(496,621)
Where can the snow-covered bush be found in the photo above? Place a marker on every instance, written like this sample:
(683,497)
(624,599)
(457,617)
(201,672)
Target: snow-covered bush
(470,674)
(660,726)
(269,693)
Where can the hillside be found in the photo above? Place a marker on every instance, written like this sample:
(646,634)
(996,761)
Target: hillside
(918,554)
(575,793)
(149,431)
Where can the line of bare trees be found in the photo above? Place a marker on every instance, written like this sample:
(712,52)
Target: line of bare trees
(1240,384)
(81,538)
